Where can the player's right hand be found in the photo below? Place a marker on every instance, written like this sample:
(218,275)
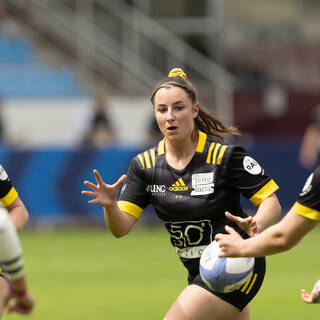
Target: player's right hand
(103,194)
(247,225)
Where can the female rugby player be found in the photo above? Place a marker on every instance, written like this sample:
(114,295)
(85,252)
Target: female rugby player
(191,178)
(302,218)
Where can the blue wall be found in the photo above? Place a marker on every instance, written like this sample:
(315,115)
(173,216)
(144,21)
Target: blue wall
(50,180)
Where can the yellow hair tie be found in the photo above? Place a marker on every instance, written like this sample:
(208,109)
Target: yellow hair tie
(177,72)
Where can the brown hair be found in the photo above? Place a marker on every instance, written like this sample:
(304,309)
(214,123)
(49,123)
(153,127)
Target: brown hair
(205,122)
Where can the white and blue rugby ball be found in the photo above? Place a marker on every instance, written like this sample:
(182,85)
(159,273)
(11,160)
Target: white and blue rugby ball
(223,274)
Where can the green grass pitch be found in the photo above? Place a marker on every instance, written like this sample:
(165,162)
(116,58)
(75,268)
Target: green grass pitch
(89,274)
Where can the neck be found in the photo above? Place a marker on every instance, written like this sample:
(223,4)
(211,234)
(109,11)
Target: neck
(178,153)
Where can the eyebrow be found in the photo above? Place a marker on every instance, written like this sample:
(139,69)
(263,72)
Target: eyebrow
(164,105)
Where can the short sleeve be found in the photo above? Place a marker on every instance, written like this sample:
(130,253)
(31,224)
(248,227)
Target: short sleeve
(247,175)
(308,203)
(133,196)
(7,192)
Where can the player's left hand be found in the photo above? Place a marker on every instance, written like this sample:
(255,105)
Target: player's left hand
(314,297)
(229,243)
(248,224)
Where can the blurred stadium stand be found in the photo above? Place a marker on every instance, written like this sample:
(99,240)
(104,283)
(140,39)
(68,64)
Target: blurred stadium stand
(255,63)
(24,75)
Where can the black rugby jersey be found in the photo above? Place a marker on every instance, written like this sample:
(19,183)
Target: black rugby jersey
(7,192)
(308,203)
(192,201)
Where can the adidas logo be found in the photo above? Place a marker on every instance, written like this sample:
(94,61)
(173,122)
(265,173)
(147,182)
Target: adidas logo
(179,185)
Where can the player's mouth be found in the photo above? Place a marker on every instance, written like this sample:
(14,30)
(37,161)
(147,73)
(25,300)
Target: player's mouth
(172,129)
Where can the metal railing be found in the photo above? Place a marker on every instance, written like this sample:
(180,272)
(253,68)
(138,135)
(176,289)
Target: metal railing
(127,48)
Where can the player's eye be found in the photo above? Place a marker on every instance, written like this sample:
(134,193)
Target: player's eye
(162,109)
(179,108)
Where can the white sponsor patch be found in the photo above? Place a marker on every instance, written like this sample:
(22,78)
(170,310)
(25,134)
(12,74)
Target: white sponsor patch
(307,186)
(156,189)
(191,253)
(3,174)
(202,183)
(251,165)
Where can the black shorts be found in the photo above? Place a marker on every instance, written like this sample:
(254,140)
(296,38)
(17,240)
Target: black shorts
(241,297)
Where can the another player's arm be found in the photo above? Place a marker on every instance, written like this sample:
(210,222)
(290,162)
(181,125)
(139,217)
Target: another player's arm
(277,238)
(18,213)
(119,222)
(12,264)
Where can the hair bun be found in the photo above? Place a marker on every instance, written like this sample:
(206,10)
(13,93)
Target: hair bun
(177,72)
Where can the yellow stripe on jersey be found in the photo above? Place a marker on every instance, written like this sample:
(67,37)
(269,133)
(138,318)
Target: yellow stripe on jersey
(130,208)
(267,190)
(243,289)
(161,147)
(153,156)
(1,273)
(146,157)
(141,160)
(221,153)
(181,182)
(216,148)
(306,212)
(10,197)
(201,141)
(209,152)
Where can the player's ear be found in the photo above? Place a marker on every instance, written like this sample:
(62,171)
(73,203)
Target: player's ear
(195,110)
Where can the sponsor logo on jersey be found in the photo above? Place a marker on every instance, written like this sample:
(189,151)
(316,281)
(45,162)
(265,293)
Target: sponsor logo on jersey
(179,185)
(156,189)
(190,238)
(251,166)
(124,187)
(307,186)
(3,174)
(202,183)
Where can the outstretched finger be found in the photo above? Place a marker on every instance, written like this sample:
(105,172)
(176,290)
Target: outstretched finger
(89,193)
(231,217)
(91,185)
(97,176)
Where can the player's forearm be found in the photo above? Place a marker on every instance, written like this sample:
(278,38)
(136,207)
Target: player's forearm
(270,241)
(10,249)
(18,214)
(268,212)
(279,237)
(117,221)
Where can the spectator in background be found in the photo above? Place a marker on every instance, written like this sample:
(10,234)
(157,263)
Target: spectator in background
(8,27)
(100,132)
(308,154)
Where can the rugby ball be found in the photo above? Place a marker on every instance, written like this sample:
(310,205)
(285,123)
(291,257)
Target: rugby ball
(223,274)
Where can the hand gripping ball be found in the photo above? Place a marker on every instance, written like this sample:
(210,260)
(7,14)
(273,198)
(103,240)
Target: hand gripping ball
(224,274)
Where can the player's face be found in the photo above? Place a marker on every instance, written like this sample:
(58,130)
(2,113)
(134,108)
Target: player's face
(175,113)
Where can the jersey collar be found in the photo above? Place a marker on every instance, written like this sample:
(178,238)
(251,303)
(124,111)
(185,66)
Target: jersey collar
(200,146)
